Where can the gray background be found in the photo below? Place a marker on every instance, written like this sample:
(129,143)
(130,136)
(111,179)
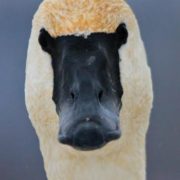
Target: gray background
(20,158)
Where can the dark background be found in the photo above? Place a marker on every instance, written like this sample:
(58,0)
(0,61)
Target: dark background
(159,20)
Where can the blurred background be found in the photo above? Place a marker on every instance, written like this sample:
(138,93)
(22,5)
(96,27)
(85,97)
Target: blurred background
(159,20)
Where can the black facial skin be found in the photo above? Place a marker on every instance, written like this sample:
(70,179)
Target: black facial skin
(87,86)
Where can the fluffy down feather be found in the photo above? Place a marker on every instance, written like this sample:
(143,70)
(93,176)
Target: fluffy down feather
(122,159)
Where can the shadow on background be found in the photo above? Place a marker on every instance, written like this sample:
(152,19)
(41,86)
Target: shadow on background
(20,158)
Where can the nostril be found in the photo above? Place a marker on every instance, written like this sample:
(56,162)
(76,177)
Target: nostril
(72,96)
(100,95)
